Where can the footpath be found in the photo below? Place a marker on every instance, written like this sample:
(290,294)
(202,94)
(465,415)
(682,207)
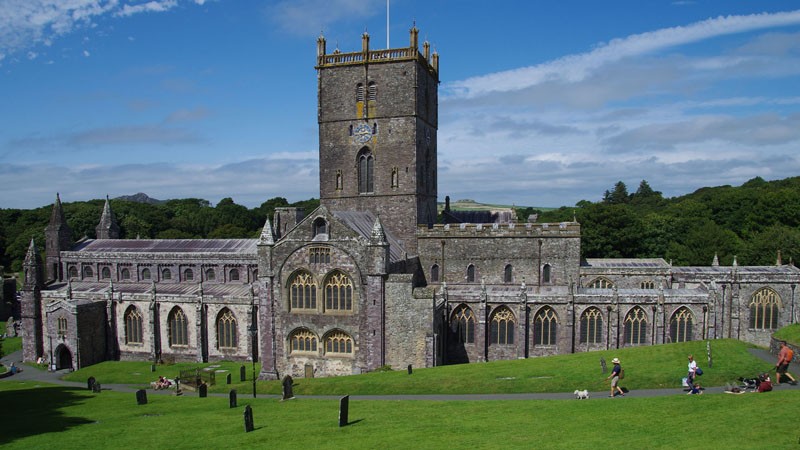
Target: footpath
(34,375)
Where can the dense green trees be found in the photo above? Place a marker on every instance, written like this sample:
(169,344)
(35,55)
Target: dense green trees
(189,218)
(752,222)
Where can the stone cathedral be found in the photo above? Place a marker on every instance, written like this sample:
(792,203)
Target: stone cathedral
(370,279)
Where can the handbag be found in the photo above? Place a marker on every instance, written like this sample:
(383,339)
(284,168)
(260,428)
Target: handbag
(698,371)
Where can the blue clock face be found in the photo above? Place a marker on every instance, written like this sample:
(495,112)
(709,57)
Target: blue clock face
(362,133)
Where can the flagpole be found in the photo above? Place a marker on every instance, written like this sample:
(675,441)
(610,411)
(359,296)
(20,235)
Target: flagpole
(387,24)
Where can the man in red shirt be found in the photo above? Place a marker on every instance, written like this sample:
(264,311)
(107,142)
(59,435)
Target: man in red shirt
(782,367)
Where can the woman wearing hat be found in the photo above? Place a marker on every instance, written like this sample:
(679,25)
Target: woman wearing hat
(614,377)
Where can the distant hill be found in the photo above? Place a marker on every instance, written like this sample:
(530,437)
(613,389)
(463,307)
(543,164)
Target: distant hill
(141,197)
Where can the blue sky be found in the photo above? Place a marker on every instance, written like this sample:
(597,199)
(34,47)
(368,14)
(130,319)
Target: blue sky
(541,103)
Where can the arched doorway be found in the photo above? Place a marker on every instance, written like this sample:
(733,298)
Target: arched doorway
(63,358)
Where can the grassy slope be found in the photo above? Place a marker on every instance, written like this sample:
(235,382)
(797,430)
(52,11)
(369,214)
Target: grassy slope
(790,334)
(9,345)
(660,366)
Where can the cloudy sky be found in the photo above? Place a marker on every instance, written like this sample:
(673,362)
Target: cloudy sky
(541,103)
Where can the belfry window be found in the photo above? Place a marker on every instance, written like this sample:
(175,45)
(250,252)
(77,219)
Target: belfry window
(365,172)
(508,274)
(470,274)
(435,273)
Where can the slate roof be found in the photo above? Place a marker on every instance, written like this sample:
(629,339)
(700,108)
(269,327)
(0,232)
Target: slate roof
(237,246)
(189,289)
(362,223)
(625,263)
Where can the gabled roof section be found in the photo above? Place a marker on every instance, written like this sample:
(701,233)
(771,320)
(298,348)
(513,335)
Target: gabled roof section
(625,263)
(363,224)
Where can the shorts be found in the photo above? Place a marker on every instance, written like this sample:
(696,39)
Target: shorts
(614,381)
(783,368)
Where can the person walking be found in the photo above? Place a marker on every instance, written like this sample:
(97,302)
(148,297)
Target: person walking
(785,356)
(692,371)
(616,374)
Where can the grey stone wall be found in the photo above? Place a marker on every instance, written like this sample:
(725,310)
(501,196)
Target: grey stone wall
(409,324)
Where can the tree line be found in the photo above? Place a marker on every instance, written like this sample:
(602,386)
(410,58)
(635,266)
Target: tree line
(751,222)
(190,218)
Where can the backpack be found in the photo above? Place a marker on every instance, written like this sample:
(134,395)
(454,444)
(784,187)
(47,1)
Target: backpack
(621,373)
(789,354)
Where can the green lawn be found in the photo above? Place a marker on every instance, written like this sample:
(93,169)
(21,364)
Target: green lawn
(8,345)
(660,366)
(65,418)
(54,416)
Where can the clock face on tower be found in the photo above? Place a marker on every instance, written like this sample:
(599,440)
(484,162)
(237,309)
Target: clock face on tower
(362,133)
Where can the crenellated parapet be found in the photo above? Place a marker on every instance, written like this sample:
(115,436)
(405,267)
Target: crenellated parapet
(368,56)
(568,229)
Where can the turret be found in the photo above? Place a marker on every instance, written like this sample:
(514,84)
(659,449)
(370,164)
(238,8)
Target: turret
(107,228)
(58,237)
(30,305)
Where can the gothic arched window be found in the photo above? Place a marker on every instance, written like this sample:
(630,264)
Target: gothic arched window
(470,273)
(302,341)
(210,275)
(601,283)
(591,327)
(125,274)
(635,327)
(302,292)
(320,227)
(105,273)
(133,326)
(435,273)
(680,325)
(226,330)
(146,274)
(166,274)
(233,275)
(764,309)
(545,327)
(188,275)
(508,274)
(366,165)
(338,342)
(178,328)
(546,273)
(88,272)
(502,327)
(463,321)
(338,292)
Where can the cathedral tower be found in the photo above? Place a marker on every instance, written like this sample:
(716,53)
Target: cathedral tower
(58,238)
(378,118)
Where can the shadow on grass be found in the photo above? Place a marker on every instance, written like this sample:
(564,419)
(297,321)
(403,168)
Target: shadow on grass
(35,411)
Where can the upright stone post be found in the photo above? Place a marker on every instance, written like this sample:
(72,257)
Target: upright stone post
(344,410)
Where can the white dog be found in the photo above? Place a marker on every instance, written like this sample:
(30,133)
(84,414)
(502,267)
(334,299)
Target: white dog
(581,395)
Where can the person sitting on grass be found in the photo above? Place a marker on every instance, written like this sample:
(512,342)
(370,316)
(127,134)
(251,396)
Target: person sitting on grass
(766,384)
(695,390)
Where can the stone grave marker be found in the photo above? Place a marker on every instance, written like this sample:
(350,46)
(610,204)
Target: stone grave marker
(152,367)
(96,387)
(228,378)
(232,398)
(287,387)
(242,374)
(141,397)
(410,370)
(344,410)
(603,364)
(248,419)
(202,390)
(90,383)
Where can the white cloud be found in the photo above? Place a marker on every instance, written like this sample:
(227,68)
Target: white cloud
(310,17)
(86,53)
(152,6)
(576,68)
(27,23)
